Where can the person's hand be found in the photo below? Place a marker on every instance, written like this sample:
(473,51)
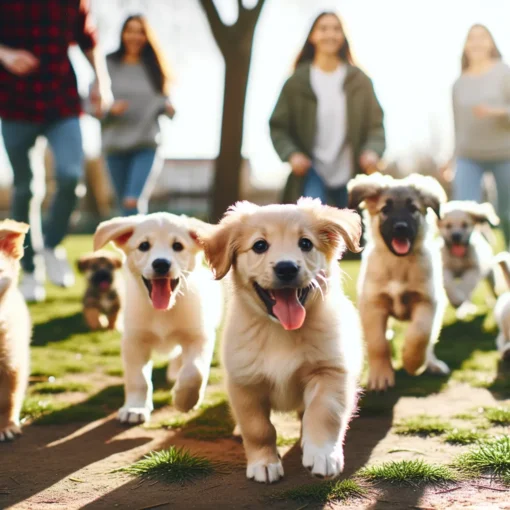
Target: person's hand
(169,109)
(101,98)
(18,62)
(368,161)
(119,107)
(300,163)
(482,111)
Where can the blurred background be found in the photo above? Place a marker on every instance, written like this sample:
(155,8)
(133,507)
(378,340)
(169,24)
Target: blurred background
(411,50)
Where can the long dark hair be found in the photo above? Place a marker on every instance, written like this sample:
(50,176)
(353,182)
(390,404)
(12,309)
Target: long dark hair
(495,53)
(307,53)
(152,56)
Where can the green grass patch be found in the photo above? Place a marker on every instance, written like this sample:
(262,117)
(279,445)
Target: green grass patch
(35,407)
(213,422)
(464,436)
(498,415)
(286,441)
(409,472)
(48,388)
(325,492)
(174,465)
(490,457)
(422,425)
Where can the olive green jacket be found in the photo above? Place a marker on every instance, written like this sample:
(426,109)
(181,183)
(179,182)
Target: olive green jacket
(293,122)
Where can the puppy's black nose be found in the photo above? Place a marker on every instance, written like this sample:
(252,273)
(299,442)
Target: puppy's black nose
(161,266)
(456,237)
(401,229)
(286,270)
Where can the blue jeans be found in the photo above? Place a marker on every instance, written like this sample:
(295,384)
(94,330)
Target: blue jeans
(130,172)
(467,185)
(316,188)
(64,138)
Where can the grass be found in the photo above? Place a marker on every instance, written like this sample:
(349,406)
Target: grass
(464,436)
(174,465)
(325,492)
(490,457)
(498,415)
(422,425)
(49,388)
(409,472)
(286,441)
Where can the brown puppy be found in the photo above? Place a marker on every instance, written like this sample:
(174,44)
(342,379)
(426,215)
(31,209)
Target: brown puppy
(292,339)
(15,330)
(102,299)
(401,271)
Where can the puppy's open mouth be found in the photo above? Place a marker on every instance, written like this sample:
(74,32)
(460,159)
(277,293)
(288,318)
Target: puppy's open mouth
(401,245)
(287,304)
(458,250)
(160,291)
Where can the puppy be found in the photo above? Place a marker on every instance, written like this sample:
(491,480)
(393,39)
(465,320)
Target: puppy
(467,256)
(292,340)
(102,297)
(172,306)
(15,330)
(401,271)
(502,309)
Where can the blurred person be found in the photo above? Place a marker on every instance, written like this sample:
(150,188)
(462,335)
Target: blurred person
(481,110)
(327,122)
(130,129)
(39,97)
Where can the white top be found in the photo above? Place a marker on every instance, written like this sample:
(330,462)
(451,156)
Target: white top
(332,157)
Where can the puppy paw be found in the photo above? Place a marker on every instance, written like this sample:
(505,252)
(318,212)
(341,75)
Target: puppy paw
(326,461)
(381,377)
(134,415)
(437,367)
(265,471)
(466,310)
(185,399)
(9,432)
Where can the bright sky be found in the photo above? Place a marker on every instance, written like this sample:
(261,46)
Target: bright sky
(410,48)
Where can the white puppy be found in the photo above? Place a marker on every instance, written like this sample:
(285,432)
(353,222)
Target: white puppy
(172,306)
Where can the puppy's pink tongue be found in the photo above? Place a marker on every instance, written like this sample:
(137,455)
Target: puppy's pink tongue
(458,250)
(288,310)
(161,292)
(401,246)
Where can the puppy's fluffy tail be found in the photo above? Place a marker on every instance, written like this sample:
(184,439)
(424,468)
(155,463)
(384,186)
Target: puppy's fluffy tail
(503,260)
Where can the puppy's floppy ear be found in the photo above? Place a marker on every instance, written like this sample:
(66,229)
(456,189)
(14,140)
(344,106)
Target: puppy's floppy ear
(117,230)
(83,262)
(199,230)
(482,213)
(431,192)
(366,188)
(12,237)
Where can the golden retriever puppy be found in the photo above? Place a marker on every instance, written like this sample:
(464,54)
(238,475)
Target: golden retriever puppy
(502,309)
(467,255)
(401,271)
(102,298)
(292,339)
(173,305)
(15,330)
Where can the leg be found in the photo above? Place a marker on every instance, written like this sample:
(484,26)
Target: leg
(113,319)
(12,390)
(136,196)
(118,167)
(251,409)
(467,184)
(19,137)
(374,319)
(502,177)
(330,399)
(460,292)
(138,381)
(314,186)
(92,318)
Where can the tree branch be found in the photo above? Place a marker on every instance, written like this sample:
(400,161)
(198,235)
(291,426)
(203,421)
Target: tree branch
(248,17)
(218,28)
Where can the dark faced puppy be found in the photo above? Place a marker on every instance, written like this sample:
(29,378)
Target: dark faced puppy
(102,297)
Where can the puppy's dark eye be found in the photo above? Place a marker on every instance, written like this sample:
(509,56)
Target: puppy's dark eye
(177,246)
(464,225)
(145,246)
(305,244)
(260,246)
(387,208)
(94,267)
(448,226)
(412,208)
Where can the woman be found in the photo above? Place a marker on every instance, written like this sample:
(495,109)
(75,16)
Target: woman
(327,122)
(130,129)
(481,109)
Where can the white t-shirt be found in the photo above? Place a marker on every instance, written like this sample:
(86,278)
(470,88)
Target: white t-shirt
(332,157)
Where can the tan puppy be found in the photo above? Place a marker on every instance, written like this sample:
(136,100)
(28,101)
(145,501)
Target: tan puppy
(173,305)
(401,271)
(15,330)
(102,299)
(502,309)
(292,340)
(467,256)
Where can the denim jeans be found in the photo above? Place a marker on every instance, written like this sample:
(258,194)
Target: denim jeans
(316,188)
(467,185)
(130,172)
(64,138)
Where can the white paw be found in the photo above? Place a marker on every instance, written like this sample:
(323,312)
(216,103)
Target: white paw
(466,310)
(134,415)
(438,367)
(325,462)
(265,472)
(381,377)
(9,433)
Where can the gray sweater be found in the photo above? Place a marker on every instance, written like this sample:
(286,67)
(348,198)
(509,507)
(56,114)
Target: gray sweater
(138,126)
(486,139)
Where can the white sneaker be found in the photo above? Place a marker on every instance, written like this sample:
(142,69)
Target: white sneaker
(32,288)
(58,269)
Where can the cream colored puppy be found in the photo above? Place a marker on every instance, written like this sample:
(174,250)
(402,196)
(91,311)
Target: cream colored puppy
(292,339)
(172,306)
(15,330)
(502,309)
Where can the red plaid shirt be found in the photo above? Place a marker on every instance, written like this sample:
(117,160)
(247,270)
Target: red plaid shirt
(46,28)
